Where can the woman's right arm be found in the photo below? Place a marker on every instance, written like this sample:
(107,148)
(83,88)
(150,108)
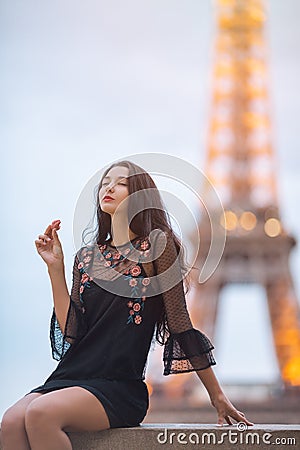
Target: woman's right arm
(68,321)
(61,297)
(49,248)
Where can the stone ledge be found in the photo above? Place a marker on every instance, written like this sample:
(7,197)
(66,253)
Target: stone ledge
(170,436)
(189,436)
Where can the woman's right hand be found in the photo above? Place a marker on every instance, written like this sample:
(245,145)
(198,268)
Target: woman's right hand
(49,247)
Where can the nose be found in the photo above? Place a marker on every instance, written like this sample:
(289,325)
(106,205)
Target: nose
(109,187)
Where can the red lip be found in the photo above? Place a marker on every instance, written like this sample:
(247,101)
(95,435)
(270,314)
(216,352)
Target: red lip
(107,197)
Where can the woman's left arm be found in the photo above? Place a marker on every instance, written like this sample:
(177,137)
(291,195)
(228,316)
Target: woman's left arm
(224,407)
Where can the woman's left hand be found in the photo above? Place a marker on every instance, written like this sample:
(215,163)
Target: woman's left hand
(226,410)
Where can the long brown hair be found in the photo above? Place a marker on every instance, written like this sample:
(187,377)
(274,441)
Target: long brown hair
(151,215)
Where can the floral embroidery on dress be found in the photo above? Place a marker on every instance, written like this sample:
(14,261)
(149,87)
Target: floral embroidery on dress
(85,278)
(136,305)
(137,283)
(135,271)
(144,245)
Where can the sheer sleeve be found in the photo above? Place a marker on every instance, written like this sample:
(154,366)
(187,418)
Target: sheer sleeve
(186,349)
(75,326)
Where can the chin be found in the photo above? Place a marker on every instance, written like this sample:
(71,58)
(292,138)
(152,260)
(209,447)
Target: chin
(110,209)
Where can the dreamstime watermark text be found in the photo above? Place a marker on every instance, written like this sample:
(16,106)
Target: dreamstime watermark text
(240,435)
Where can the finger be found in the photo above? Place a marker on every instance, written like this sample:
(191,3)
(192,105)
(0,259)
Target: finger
(247,421)
(40,243)
(48,230)
(55,235)
(220,421)
(44,237)
(240,417)
(243,418)
(55,224)
(228,420)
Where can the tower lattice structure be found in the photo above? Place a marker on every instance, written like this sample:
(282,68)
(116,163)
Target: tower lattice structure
(241,165)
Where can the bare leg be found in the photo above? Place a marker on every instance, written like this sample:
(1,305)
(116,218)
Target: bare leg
(13,433)
(70,409)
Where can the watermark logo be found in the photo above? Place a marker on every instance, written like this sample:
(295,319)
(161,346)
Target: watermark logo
(240,436)
(242,426)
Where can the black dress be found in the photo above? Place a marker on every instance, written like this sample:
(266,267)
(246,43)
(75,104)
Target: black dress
(115,303)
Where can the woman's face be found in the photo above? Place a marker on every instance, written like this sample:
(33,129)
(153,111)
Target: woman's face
(114,189)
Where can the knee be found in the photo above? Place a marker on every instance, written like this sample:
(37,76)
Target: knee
(36,416)
(12,421)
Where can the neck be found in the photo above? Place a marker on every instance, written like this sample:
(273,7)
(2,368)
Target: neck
(120,231)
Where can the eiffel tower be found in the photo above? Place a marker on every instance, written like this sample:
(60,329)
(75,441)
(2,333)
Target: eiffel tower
(240,165)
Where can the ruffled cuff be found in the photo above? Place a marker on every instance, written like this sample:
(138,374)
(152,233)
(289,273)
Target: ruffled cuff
(187,351)
(75,328)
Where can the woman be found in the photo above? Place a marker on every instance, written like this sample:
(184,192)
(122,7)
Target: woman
(127,290)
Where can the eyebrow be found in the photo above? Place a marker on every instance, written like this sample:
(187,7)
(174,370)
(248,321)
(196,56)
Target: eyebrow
(120,177)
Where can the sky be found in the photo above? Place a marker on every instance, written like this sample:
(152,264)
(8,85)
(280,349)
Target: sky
(86,83)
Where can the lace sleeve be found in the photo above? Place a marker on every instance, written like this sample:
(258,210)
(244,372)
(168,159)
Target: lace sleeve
(186,349)
(75,326)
